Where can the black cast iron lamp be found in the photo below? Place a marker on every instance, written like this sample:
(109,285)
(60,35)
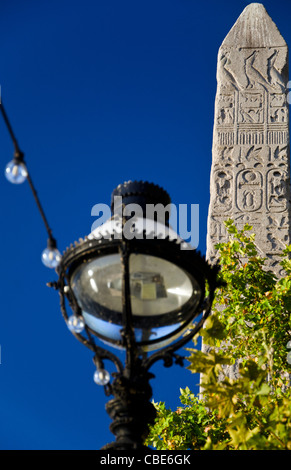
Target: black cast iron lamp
(133,285)
(161,295)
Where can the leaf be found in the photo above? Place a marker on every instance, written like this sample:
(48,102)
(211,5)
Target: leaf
(264,390)
(213,330)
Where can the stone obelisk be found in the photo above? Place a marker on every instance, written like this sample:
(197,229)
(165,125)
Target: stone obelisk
(250,174)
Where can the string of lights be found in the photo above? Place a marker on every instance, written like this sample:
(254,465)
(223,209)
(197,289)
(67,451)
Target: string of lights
(16,172)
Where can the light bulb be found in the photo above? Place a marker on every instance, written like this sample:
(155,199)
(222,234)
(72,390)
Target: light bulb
(76,324)
(16,172)
(51,257)
(101,377)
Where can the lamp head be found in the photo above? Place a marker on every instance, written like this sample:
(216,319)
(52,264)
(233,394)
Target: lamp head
(166,284)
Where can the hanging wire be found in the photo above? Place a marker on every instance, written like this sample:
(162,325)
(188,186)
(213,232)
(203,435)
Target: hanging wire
(19,157)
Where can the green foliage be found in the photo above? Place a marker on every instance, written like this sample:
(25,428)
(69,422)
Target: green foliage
(186,428)
(250,326)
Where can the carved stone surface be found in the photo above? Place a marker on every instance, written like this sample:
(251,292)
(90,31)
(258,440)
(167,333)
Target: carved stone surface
(250,174)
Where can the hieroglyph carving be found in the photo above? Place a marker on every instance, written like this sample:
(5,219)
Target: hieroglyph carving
(249,190)
(250,175)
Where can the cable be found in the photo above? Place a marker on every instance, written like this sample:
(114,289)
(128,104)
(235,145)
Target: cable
(19,157)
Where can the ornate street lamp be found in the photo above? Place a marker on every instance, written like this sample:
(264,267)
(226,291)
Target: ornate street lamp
(131,284)
(134,285)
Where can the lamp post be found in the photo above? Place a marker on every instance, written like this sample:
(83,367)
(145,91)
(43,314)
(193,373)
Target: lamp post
(131,284)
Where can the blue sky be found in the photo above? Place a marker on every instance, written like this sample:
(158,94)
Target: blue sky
(98,92)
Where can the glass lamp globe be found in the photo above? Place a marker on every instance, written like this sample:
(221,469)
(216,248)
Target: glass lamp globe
(16,172)
(159,293)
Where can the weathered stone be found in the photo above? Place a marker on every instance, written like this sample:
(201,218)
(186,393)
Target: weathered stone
(250,175)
